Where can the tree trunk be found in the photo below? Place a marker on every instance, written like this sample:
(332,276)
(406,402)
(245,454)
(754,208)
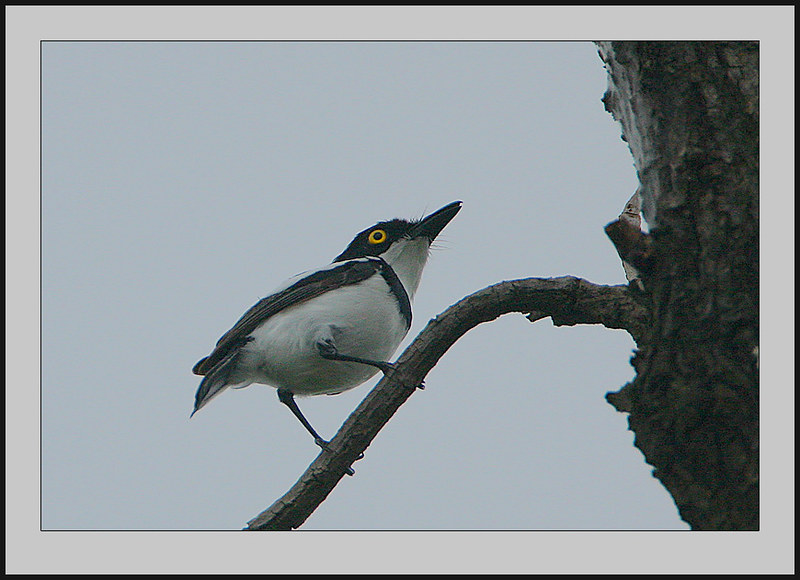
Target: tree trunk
(689,113)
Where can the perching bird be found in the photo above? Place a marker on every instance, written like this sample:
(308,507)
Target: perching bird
(328,330)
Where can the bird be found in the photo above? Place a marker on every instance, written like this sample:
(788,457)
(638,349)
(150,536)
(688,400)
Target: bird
(329,329)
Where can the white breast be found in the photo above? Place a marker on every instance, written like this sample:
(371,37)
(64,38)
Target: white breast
(362,319)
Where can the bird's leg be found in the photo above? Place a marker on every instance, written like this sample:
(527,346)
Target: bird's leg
(287,398)
(328,350)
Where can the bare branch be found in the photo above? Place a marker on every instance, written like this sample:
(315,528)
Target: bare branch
(567,300)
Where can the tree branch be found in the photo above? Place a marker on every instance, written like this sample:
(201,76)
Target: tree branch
(567,300)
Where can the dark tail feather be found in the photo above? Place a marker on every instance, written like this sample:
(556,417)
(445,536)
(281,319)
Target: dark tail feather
(207,364)
(216,380)
(198,367)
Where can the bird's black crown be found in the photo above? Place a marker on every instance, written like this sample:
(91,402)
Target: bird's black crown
(376,240)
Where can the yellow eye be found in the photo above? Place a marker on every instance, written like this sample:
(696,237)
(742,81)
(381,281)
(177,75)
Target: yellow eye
(377,237)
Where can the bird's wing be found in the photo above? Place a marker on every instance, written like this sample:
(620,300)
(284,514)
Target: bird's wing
(310,286)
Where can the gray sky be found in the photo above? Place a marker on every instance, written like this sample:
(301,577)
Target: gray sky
(182,181)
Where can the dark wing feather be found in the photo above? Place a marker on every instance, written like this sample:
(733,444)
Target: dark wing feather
(350,272)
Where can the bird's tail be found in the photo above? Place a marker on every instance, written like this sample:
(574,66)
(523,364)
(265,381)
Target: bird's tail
(219,378)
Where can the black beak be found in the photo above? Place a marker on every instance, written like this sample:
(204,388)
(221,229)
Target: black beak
(431,225)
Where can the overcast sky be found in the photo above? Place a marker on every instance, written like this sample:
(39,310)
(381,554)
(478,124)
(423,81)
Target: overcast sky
(183,181)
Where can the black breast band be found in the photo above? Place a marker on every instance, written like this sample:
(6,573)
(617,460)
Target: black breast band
(397,289)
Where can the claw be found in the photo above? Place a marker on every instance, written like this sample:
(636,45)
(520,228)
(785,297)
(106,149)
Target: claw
(386,367)
(350,470)
(325,447)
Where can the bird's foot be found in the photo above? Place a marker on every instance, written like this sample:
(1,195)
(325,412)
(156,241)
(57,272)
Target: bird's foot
(385,367)
(325,447)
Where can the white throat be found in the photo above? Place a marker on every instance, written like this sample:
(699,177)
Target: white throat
(407,258)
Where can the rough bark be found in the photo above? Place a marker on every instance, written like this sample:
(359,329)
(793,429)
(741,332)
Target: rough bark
(689,113)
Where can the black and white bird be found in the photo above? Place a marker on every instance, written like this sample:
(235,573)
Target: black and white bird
(328,330)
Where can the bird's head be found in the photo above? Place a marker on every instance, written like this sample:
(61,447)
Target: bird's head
(383,236)
(403,244)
